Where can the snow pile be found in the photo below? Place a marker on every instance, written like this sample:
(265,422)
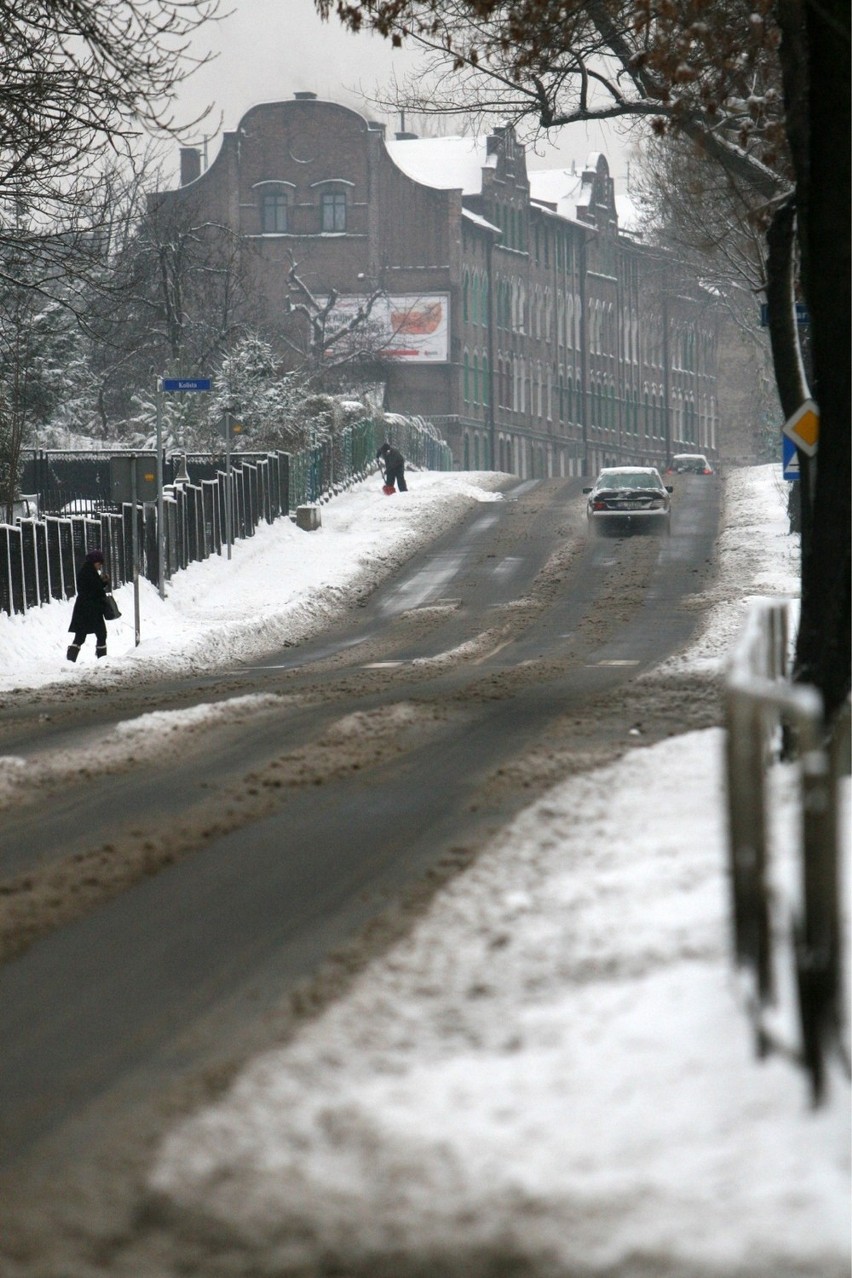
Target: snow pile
(757,557)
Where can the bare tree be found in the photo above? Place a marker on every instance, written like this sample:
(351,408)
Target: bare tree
(329,335)
(80,80)
(711,222)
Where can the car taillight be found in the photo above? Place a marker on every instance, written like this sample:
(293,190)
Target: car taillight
(599,505)
(707,471)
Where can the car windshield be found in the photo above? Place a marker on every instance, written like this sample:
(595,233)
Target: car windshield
(628,479)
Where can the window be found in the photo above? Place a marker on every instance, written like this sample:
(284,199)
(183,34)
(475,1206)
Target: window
(333,211)
(273,212)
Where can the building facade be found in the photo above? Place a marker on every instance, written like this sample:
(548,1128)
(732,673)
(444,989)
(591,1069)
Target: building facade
(507,305)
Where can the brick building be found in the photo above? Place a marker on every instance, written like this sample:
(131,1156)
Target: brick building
(515,313)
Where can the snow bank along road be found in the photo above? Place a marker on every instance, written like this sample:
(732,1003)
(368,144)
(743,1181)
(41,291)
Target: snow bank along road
(171,889)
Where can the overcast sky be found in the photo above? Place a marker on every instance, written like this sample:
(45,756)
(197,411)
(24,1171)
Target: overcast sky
(269,49)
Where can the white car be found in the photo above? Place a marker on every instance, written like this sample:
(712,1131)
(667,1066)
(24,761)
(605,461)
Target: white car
(627,499)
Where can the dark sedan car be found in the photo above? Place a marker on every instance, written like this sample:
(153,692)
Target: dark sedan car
(627,499)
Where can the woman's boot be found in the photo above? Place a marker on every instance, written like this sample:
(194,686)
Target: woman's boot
(100,651)
(73,651)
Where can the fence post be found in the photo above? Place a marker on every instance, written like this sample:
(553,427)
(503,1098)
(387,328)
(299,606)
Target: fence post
(818,949)
(745,757)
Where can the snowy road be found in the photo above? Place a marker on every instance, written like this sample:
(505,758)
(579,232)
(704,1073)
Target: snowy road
(338,773)
(447,1111)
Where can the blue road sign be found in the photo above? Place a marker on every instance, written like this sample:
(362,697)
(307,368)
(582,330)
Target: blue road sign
(185,383)
(789,459)
(802,316)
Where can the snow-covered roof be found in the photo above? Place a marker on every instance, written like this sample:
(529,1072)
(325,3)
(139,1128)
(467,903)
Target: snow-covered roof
(447,164)
(558,188)
(478,220)
(630,217)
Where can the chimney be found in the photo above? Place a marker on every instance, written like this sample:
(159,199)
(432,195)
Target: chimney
(406,137)
(305,96)
(190,164)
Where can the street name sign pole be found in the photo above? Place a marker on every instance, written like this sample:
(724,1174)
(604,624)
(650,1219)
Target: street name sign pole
(167,385)
(134,514)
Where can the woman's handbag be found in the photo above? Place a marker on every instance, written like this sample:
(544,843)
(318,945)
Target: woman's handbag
(111,609)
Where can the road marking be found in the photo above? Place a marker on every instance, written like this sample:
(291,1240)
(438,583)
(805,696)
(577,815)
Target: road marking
(592,665)
(507,566)
(493,651)
(382,665)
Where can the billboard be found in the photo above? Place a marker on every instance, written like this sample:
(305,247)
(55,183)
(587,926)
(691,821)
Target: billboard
(404,326)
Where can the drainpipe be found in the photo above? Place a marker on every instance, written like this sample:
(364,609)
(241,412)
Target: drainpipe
(584,360)
(667,416)
(492,376)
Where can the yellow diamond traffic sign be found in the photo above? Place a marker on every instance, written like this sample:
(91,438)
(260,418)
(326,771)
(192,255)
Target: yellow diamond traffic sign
(803,428)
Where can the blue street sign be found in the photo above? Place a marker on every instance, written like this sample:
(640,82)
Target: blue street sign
(789,459)
(802,316)
(185,383)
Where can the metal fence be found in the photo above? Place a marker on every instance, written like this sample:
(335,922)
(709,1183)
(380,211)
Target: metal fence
(39,557)
(765,717)
(352,454)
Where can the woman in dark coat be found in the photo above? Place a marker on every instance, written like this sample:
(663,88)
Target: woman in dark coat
(88,615)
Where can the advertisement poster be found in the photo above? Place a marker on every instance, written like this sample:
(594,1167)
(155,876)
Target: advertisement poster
(409,326)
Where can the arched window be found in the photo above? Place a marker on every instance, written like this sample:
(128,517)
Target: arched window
(476,379)
(466,297)
(485,385)
(466,378)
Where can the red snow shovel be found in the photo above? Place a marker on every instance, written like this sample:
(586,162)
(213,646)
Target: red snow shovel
(387,489)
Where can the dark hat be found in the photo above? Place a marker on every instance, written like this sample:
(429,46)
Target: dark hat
(95,557)
(384,448)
